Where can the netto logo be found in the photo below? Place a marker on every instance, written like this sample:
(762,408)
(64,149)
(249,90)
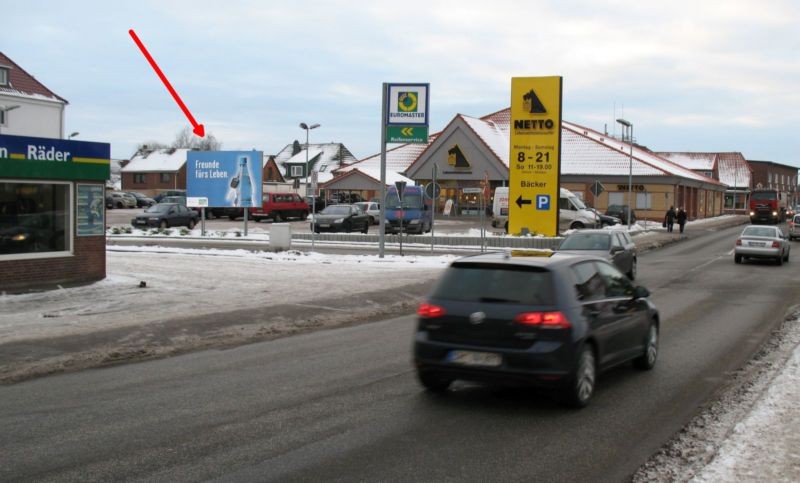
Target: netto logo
(532,104)
(456,158)
(407,101)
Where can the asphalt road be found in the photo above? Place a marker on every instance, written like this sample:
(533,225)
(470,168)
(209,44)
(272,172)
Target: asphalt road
(344,404)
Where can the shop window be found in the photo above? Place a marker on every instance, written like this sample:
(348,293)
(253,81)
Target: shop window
(616,199)
(34,218)
(139,178)
(644,201)
(166,177)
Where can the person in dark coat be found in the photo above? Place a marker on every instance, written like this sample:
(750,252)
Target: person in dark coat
(669,218)
(681,218)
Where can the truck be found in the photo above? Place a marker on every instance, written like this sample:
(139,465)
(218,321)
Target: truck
(768,205)
(414,212)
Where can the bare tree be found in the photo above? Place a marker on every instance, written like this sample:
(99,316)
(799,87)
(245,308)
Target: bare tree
(146,146)
(187,139)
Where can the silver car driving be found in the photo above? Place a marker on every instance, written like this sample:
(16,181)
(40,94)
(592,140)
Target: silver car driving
(757,241)
(616,246)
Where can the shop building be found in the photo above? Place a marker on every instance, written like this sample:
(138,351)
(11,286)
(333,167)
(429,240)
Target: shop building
(730,169)
(52,226)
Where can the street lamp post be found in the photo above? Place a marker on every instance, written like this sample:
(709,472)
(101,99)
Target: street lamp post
(629,127)
(305,183)
(5,109)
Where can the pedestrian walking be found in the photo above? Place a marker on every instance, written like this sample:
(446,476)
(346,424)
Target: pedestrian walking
(669,219)
(681,217)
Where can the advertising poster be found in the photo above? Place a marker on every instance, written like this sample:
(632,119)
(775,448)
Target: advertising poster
(224,178)
(91,210)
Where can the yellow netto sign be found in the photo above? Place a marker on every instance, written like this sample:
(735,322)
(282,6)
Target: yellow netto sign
(535,161)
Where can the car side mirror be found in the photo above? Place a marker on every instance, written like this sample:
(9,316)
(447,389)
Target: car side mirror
(640,292)
(616,249)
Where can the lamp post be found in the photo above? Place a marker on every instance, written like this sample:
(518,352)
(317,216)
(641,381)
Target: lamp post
(73,135)
(629,127)
(305,184)
(5,109)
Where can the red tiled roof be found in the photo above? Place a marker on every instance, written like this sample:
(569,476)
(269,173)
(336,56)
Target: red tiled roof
(22,83)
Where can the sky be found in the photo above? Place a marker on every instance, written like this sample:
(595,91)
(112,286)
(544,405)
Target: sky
(717,75)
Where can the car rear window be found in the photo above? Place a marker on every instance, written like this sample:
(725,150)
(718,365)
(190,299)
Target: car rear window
(586,241)
(481,282)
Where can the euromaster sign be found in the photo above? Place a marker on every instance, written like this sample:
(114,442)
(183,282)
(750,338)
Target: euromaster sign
(224,178)
(45,158)
(535,157)
(407,113)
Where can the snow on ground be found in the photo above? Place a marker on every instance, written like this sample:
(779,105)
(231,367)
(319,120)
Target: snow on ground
(212,280)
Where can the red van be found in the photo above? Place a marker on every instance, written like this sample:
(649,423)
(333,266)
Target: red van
(280,206)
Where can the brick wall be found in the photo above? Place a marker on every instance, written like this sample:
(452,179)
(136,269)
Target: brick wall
(88,264)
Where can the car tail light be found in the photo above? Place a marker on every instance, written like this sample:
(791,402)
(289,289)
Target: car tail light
(430,311)
(738,242)
(545,320)
(775,244)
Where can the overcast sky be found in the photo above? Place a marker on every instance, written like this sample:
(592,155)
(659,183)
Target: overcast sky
(690,75)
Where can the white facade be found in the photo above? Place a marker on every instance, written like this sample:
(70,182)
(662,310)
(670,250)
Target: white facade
(37,116)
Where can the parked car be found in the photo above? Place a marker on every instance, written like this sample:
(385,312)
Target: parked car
(762,242)
(621,212)
(345,218)
(616,246)
(794,227)
(142,201)
(552,320)
(317,204)
(229,212)
(159,197)
(605,220)
(280,206)
(165,215)
(119,199)
(181,200)
(373,209)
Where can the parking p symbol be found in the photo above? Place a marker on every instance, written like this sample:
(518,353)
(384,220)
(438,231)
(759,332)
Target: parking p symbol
(543,202)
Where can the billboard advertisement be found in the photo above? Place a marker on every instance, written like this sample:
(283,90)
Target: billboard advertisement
(224,178)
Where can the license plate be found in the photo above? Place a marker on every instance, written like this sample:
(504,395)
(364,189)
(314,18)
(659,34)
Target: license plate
(758,244)
(324,225)
(471,358)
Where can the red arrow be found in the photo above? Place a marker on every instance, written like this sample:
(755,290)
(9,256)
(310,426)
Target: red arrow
(198,128)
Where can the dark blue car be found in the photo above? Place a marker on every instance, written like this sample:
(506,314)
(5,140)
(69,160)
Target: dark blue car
(552,320)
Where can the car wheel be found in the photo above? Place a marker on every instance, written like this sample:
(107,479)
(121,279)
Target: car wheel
(737,258)
(779,260)
(506,227)
(232,217)
(434,382)
(581,386)
(786,258)
(119,205)
(191,224)
(304,215)
(576,226)
(648,360)
(277,217)
(371,220)
(632,272)
(163,225)
(366,227)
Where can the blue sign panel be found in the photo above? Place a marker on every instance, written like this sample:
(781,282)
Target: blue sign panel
(225,178)
(45,158)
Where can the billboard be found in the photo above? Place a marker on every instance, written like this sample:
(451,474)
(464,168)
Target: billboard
(45,158)
(224,178)
(535,158)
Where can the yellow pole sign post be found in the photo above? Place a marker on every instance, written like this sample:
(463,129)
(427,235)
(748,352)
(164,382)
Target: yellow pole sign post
(535,161)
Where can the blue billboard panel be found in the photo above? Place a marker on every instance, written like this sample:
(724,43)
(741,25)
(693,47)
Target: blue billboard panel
(225,178)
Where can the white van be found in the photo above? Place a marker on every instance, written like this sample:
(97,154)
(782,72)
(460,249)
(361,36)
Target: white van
(572,213)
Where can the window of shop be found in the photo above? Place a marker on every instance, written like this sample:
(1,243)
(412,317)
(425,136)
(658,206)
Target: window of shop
(616,199)
(644,201)
(139,178)
(34,217)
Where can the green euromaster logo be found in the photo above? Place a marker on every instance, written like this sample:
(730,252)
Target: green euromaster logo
(407,101)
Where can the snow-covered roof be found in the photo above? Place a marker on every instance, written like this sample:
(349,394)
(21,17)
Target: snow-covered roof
(157,160)
(695,161)
(22,84)
(329,157)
